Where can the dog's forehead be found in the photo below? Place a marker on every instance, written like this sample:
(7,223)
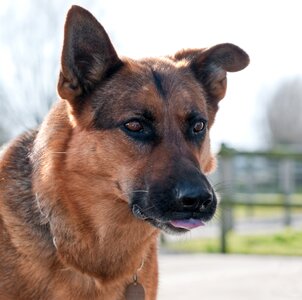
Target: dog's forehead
(169,82)
(172,79)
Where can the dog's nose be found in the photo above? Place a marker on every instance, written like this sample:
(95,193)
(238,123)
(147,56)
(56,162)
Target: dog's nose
(190,197)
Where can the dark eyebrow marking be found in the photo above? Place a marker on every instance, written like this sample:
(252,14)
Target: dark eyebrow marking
(195,114)
(158,79)
(148,115)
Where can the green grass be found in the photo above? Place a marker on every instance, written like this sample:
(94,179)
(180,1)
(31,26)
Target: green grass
(287,242)
(242,212)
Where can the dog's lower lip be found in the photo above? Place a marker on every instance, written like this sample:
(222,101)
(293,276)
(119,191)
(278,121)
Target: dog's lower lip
(187,224)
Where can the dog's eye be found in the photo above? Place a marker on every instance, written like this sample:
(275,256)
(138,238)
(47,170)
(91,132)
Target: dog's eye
(198,127)
(134,126)
(139,130)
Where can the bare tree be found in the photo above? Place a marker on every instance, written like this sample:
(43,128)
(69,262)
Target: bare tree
(31,34)
(3,135)
(3,130)
(31,37)
(285,114)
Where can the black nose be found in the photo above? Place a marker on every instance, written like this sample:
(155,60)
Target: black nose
(191,197)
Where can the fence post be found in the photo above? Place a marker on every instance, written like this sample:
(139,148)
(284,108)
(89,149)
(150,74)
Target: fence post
(287,185)
(226,176)
(250,186)
(223,228)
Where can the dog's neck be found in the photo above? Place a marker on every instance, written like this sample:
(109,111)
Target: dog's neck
(105,257)
(105,252)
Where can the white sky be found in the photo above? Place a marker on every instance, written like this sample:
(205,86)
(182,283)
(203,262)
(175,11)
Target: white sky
(269,31)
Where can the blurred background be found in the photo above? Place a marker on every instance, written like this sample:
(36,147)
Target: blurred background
(258,131)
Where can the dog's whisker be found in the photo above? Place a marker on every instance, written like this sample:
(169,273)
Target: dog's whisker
(140,191)
(148,208)
(58,152)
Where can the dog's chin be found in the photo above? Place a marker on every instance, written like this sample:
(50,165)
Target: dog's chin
(178,225)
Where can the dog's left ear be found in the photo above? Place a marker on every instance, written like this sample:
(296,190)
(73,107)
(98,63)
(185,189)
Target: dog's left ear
(211,65)
(87,57)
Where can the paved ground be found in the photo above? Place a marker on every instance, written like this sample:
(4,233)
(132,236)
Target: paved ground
(229,277)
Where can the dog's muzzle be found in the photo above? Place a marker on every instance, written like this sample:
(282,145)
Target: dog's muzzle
(186,206)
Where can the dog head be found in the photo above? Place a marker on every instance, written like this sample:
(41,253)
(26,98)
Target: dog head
(141,127)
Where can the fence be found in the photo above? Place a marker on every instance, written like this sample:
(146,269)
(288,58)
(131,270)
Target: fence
(287,170)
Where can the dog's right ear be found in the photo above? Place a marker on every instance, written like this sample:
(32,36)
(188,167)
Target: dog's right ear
(210,67)
(87,57)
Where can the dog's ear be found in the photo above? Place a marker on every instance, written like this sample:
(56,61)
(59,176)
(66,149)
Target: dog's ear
(87,57)
(211,65)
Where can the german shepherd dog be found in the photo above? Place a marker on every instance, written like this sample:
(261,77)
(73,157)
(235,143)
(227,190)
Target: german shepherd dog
(120,157)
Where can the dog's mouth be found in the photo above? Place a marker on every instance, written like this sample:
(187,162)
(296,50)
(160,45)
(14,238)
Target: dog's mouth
(187,224)
(179,222)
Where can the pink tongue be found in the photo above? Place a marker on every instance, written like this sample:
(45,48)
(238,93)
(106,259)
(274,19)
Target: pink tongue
(187,224)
